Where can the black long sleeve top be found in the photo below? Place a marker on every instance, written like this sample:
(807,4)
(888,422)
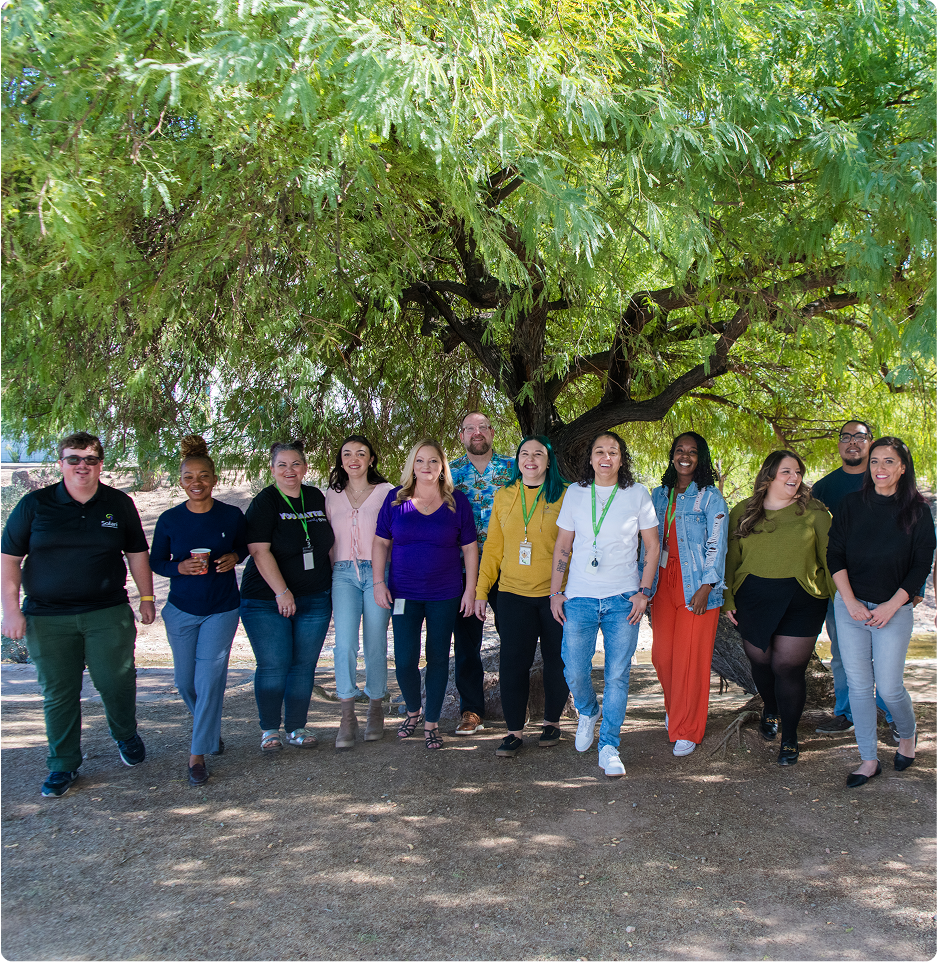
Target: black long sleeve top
(878,556)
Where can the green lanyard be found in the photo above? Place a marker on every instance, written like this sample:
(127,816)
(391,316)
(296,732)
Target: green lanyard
(596,528)
(533,507)
(671,511)
(302,502)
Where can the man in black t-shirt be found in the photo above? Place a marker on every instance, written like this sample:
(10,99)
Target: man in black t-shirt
(74,537)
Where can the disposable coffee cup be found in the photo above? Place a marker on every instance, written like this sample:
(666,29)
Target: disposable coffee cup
(202,555)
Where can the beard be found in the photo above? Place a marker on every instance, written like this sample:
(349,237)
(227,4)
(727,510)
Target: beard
(852,462)
(478,447)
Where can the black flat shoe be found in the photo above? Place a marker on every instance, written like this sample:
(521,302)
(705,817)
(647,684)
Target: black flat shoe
(220,749)
(198,774)
(509,747)
(768,727)
(789,753)
(550,736)
(902,762)
(856,779)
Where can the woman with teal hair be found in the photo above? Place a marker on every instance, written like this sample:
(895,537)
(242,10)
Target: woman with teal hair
(521,535)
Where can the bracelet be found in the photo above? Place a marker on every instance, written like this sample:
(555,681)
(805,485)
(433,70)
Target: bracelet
(281,594)
(147,598)
(555,593)
(376,583)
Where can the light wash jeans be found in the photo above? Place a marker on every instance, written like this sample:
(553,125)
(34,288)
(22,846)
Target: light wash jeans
(201,645)
(584,617)
(352,602)
(876,656)
(840,685)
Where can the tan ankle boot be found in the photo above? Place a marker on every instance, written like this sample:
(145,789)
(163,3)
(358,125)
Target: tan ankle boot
(374,730)
(348,729)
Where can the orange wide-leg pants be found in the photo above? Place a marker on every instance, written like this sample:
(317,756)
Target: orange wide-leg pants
(682,652)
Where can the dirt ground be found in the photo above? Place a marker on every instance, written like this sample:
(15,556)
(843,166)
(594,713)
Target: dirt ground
(390,851)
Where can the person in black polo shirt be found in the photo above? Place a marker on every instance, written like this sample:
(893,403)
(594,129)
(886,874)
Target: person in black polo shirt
(74,536)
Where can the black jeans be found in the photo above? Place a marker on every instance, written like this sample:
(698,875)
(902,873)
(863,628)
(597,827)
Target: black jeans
(523,621)
(467,649)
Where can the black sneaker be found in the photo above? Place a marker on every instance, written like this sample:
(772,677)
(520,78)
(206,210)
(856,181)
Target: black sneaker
(198,774)
(58,783)
(550,736)
(835,725)
(768,726)
(509,746)
(789,753)
(132,750)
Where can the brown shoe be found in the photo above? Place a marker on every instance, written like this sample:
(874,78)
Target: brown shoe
(348,729)
(470,724)
(374,729)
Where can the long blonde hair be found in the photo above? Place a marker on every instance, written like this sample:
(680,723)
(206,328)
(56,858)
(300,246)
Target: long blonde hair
(755,511)
(408,475)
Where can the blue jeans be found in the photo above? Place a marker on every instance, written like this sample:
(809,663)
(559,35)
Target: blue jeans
(440,617)
(840,685)
(200,646)
(875,657)
(584,617)
(287,651)
(352,602)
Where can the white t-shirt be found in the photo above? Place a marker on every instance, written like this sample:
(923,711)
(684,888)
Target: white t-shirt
(616,547)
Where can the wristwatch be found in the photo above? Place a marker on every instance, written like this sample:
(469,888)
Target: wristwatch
(646,592)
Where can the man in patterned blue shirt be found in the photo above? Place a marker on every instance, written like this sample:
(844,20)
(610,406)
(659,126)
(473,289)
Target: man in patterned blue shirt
(477,474)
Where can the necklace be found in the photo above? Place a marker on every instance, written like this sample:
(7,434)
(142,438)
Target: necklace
(358,500)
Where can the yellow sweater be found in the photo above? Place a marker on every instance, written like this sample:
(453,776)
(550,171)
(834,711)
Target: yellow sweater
(502,549)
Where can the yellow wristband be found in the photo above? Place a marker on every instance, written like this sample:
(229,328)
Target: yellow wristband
(147,598)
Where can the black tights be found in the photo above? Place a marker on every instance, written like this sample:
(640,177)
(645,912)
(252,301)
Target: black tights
(780,677)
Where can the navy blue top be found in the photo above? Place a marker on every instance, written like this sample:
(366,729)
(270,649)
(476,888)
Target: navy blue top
(178,531)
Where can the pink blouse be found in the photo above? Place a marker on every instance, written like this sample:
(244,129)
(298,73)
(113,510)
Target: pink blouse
(354,527)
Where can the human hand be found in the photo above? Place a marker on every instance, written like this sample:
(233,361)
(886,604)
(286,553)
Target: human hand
(638,605)
(467,605)
(700,599)
(731,616)
(286,604)
(148,612)
(481,608)
(226,562)
(556,607)
(191,566)
(383,596)
(881,615)
(14,624)
(857,610)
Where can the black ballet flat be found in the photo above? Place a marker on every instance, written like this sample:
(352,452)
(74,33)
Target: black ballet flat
(902,761)
(856,779)
(768,726)
(789,753)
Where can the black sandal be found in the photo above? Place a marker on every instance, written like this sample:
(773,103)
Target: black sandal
(410,725)
(433,738)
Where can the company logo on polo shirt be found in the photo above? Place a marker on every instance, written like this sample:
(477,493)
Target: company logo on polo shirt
(108,521)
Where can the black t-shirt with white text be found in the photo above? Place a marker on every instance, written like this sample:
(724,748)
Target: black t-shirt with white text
(271,519)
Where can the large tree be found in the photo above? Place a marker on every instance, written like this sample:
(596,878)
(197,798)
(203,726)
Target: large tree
(282,216)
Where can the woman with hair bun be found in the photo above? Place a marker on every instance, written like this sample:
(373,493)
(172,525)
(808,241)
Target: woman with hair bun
(777,586)
(196,545)
(881,550)
(693,528)
(353,499)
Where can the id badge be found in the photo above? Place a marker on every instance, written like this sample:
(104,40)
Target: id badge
(308,560)
(398,606)
(663,558)
(523,556)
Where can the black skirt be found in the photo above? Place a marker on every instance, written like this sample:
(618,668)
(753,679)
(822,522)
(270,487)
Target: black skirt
(777,606)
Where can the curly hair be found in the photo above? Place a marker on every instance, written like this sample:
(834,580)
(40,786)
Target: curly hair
(704,475)
(755,511)
(625,477)
(194,448)
(910,501)
(338,476)
(408,475)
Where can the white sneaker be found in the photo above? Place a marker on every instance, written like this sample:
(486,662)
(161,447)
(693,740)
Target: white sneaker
(683,746)
(667,723)
(610,763)
(585,733)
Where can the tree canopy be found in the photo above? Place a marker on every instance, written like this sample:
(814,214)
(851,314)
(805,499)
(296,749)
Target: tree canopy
(282,218)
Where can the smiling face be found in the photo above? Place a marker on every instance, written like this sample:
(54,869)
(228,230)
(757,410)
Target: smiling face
(606,460)
(427,465)
(197,480)
(356,459)
(685,460)
(288,471)
(80,479)
(854,452)
(886,467)
(477,434)
(787,482)
(533,459)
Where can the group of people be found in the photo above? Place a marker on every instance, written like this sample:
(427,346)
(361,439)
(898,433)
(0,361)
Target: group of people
(556,561)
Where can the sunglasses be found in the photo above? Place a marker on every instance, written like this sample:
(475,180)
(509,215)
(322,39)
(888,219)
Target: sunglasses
(91,460)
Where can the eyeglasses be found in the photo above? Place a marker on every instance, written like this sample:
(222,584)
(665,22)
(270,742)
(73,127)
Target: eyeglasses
(91,460)
(861,437)
(476,427)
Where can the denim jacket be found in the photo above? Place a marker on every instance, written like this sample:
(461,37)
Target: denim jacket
(702,521)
